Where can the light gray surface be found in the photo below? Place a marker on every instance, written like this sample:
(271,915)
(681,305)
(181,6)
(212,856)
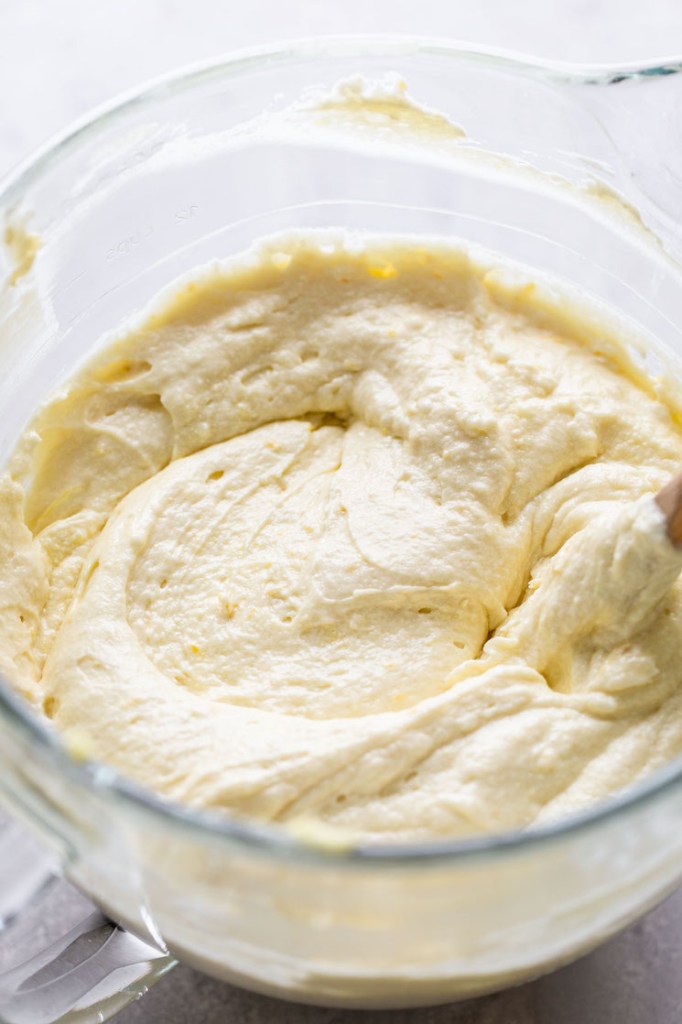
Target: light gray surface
(58,58)
(634,979)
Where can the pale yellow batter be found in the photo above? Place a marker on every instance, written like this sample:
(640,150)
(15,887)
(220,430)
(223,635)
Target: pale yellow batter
(352,529)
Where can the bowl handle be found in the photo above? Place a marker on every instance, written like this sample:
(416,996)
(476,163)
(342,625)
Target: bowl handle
(61,959)
(641,111)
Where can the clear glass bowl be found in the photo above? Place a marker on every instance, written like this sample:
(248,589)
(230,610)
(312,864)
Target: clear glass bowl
(574,172)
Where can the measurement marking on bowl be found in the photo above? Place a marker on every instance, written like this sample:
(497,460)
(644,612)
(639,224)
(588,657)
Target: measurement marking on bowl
(128,243)
(186,213)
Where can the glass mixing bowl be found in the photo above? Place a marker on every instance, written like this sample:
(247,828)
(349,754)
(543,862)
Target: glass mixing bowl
(573,172)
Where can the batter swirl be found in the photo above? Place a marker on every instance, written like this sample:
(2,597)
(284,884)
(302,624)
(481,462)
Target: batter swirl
(357,529)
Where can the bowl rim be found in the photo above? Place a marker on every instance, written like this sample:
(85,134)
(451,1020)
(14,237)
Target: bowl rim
(182,79)
(257,836)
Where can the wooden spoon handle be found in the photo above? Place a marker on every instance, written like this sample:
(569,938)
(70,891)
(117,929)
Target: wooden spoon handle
(669,500)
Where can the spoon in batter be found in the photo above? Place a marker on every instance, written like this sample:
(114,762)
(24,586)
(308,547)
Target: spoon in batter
(669,500)
(600,590)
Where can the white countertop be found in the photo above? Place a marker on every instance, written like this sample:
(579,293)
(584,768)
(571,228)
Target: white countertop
(58,59)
